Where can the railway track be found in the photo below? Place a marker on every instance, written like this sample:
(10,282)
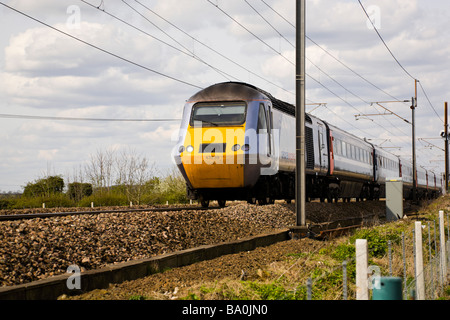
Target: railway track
(54,287)
(100,243)
(11,217)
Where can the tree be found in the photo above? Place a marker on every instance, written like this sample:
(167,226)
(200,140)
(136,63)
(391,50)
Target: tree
(100,170)
(135,173)
(78,190)
(173,186)
(44,187)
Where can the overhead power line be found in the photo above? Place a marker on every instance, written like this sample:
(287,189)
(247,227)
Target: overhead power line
(31,117)
(320,69)
(426,96)
(330,54)
(213,50)
(252,33)
(101,49)
(396,60)
(382,40)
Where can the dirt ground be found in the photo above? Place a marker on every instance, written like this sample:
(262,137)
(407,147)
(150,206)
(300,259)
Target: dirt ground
(181,282)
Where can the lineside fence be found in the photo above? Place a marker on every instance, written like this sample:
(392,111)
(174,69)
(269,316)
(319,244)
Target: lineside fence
(418,266)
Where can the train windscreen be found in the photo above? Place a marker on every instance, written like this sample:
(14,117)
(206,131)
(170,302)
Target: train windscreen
(218,114)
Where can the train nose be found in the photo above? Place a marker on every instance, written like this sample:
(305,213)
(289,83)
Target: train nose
(214,160)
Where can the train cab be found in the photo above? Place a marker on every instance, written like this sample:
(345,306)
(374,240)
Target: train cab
(226,142)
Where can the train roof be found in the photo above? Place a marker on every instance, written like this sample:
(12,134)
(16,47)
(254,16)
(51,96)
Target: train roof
(243,91)
(238,90)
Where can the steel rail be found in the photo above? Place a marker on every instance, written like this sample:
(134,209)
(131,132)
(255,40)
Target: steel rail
(11,217)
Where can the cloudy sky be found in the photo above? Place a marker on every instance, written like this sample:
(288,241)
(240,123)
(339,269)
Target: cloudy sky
(143,59)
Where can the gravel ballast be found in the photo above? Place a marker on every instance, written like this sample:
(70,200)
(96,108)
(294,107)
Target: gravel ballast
(39,248)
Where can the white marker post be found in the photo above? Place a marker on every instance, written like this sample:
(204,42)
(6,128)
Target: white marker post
(442,243)
(420,280)
(362,261)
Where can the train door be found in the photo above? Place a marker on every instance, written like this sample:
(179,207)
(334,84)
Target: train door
(266,141)
(263,132)
(375,165)
(323,151)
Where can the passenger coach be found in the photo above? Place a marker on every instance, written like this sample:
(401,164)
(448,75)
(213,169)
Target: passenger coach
(237,142)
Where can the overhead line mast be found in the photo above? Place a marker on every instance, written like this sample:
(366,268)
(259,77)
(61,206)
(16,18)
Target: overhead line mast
(300,175)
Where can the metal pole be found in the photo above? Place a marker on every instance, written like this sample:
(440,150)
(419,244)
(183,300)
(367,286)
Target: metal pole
(309,289)
(390,257)
(431,261)
(300,188)
(404,267)
(344,278)
(446,145)
(413,107)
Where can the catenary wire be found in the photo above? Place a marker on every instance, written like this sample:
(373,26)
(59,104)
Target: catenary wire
(426,96)
(214,50)
(30,117)
(396,60)
(252,33)
(329,76)
(339,61)
(101,49)
(331,55)
(187,52)
(382,40)
(342,63)
(221,72)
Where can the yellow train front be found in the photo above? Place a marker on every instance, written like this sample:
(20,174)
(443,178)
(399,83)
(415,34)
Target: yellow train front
(225,144)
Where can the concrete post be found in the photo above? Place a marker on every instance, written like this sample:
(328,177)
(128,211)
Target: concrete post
(420,280)
(442,243)
(362,261)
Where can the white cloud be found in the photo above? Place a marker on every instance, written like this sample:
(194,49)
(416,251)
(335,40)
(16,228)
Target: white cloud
(46,73)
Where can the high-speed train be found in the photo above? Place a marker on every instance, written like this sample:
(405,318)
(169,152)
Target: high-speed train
(237,142)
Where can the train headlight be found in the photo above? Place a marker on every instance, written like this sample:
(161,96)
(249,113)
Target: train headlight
(245,147)
(181,149)
(236,147)
(189,148)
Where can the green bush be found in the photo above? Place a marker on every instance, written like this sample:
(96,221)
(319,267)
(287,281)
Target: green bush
(270,291)
(154,190)
(51,201)
(78,191)
(377,242)
(344,252)
(7,203)
(44,187)
(107,199)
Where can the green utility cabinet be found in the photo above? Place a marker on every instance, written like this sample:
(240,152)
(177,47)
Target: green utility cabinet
(394,199)
(387,288)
